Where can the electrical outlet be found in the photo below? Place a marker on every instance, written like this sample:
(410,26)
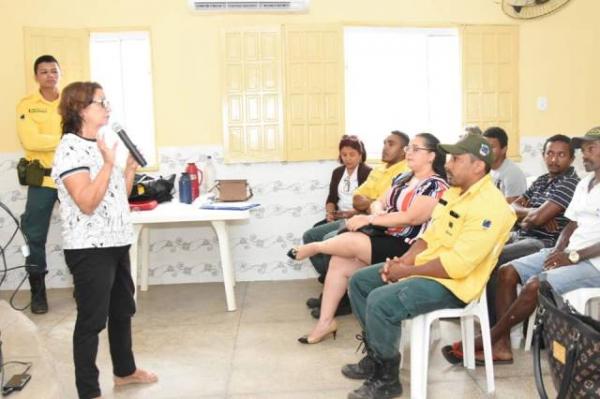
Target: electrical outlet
(542,103)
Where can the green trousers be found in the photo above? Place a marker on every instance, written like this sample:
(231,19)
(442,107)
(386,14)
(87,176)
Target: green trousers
(321,233)
(381,307)
(35,223)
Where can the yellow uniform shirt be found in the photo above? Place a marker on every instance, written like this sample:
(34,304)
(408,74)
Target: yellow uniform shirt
(380,180)
(39,129)
(467,233)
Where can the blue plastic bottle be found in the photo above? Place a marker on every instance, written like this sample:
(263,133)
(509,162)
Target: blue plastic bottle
(185,188)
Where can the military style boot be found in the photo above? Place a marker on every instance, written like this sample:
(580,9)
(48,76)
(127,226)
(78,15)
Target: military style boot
(39,302)
(384,383)
(365,367)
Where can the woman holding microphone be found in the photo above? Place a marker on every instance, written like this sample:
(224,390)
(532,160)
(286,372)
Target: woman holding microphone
(97,233)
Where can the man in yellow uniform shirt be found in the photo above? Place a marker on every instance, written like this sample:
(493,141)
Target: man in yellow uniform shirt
(39,129)
(379,181)
(447,267)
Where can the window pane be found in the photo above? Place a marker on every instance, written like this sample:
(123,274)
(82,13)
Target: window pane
(400,78)
(121,63)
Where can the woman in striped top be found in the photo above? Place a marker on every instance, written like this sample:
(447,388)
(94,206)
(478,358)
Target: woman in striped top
(396,220)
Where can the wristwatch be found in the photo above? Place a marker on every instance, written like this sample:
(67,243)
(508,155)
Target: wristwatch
(573,257)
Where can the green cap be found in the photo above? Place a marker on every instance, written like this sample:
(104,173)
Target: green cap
(471,144)
(592,134)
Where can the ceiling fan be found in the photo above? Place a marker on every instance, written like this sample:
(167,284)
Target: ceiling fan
(529,9)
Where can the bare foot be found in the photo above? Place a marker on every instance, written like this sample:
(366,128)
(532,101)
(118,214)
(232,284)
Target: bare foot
(501,351)
(139,376)
(478,345)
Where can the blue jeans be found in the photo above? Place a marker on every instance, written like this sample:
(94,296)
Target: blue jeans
(562,279)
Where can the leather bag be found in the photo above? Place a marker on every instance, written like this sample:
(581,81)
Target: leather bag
(149,188)
(233,190)
(572,342)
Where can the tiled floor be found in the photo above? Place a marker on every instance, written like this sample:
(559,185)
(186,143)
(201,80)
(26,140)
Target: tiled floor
(199,350)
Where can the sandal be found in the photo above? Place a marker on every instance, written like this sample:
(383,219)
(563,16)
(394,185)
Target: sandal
(495,360)
(453,353)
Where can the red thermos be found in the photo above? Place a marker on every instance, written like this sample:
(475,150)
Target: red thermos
(195,177)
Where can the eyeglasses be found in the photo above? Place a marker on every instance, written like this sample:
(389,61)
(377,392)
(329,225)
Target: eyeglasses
(351,137)
(346,185)
(104,103)
(414,148)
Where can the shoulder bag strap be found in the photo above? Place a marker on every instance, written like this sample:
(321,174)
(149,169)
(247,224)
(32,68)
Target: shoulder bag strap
(537,364)
(572,354)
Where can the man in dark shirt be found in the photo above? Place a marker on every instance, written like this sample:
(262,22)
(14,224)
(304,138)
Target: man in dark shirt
(540,209)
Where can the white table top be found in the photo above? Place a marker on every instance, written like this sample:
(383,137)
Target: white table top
(174,211)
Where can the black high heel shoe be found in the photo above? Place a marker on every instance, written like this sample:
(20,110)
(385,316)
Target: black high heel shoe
(292,253)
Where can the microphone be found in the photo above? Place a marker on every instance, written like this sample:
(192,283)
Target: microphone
(137,155)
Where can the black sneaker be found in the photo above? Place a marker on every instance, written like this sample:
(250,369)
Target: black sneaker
(313,302)
(342,310)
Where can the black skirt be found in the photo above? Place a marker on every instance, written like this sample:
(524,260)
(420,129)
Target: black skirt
(387,246)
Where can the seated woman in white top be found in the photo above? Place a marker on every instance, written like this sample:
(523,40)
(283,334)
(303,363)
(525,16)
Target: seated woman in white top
(345,179)
(396,220)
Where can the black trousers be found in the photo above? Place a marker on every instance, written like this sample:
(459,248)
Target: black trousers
(103,291)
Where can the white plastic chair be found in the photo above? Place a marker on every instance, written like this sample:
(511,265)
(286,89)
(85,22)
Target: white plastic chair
(530,327)
(578,298)
(435,335)
(420,337)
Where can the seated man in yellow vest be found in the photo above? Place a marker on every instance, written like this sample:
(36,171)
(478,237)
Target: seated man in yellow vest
(447,267)
(39,129)
(573,262)
(378,182)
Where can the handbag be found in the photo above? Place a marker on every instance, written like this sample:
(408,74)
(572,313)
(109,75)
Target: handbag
(146,188)
(233,190)
(572,341)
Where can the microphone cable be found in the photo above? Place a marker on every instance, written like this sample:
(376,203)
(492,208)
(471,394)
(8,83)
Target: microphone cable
(5,269)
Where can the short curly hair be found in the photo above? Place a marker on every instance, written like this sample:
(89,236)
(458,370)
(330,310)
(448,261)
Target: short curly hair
(353,141)
(73,99)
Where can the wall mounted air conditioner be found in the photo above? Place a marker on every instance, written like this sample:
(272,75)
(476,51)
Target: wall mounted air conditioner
(253,6)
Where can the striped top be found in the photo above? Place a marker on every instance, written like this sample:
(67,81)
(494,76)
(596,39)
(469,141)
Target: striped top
(400,197)
(558,189)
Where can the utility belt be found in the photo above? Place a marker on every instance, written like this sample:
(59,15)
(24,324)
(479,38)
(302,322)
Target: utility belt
(31,173)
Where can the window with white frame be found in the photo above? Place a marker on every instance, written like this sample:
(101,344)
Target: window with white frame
(404,79)
(121,63)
